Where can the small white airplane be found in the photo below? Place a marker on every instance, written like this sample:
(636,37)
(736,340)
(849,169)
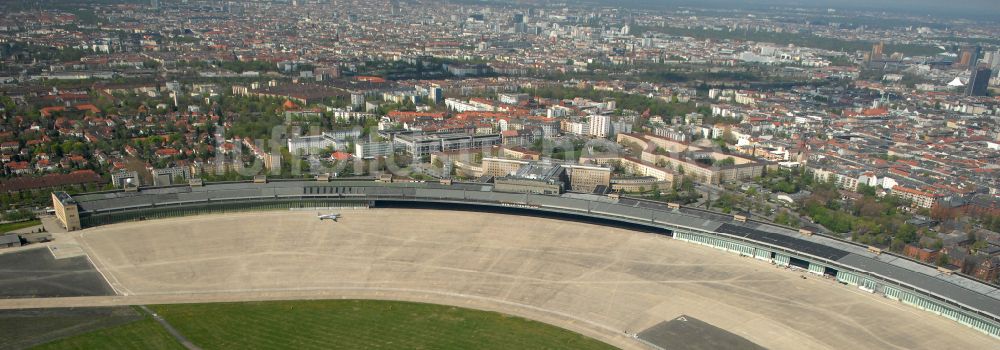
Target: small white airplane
(333,216)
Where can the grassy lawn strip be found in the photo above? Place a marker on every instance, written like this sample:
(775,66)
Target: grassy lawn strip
(142,334)
(4,228)
(20,329)
(361,324)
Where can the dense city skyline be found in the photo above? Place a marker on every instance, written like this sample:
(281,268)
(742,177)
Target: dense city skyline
(977,9)
(569,163)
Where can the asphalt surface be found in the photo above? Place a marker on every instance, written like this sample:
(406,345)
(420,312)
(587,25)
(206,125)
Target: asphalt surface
(688,333)
(595,280)
(592,279)
(25,328)
(35,273)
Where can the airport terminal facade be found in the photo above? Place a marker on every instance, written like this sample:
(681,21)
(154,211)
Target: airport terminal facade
(956,297)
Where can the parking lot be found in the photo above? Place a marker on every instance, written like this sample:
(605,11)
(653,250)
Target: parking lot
(36,273)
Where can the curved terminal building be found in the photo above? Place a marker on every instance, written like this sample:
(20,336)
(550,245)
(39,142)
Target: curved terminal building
(959,298)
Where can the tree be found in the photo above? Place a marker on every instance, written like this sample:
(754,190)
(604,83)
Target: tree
(783,218)
(18,215)
(897,245)
(979,246)
(938,244)
(907,233)
(728,136)
(687,184)
(942,259)
(866,190)
(869,207)
(944,213)
(8,103)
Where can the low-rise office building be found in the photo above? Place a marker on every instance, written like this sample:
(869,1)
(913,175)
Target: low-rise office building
(700,164)
(124,177)
(306,145)
(587,178)
(572,177)
(421,144)
(533,178)
(919,198)
(66,210)
(369,150)
(498,167)
(636,184)
(171,176)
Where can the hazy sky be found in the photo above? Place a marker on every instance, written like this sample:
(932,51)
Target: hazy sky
(978,8)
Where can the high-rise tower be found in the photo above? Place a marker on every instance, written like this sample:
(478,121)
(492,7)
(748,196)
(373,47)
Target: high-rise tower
(979,81)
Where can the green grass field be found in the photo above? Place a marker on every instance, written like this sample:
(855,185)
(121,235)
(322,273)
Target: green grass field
(24,328)
(142,334)
(4,228)
(333,324)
